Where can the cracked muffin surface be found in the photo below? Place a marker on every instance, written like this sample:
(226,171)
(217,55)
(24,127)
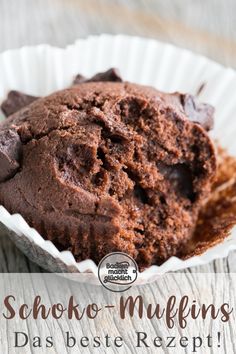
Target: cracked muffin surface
(109,166)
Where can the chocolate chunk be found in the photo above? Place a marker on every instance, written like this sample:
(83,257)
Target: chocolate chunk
(197,112)
(79,79)
(180,177)
(109,75)
(10,153)
(15,101)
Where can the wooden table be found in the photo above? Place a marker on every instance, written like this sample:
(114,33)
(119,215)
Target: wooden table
(205,26)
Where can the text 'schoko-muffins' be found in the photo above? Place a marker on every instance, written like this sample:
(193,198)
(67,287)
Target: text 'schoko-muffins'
(108,166)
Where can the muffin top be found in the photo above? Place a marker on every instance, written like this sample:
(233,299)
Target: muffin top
(107,166)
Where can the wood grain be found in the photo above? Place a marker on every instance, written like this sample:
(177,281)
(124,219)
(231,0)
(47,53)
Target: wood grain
(209,288)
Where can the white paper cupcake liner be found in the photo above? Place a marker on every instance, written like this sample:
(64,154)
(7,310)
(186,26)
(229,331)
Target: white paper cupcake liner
(43,69)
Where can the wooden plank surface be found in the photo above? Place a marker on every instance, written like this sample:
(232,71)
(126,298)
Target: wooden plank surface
(205,288)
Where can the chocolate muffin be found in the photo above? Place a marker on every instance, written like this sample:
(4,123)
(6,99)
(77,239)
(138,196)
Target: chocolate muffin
(108,166)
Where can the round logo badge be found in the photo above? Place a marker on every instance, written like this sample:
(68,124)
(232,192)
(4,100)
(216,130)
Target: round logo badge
(117,271)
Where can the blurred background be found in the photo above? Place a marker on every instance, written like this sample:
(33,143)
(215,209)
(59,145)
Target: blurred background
(205,26)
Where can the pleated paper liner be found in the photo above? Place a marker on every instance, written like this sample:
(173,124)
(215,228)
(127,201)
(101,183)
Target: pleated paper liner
(43,69)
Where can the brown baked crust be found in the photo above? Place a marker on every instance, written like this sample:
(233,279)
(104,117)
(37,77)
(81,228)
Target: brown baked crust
(110,166)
